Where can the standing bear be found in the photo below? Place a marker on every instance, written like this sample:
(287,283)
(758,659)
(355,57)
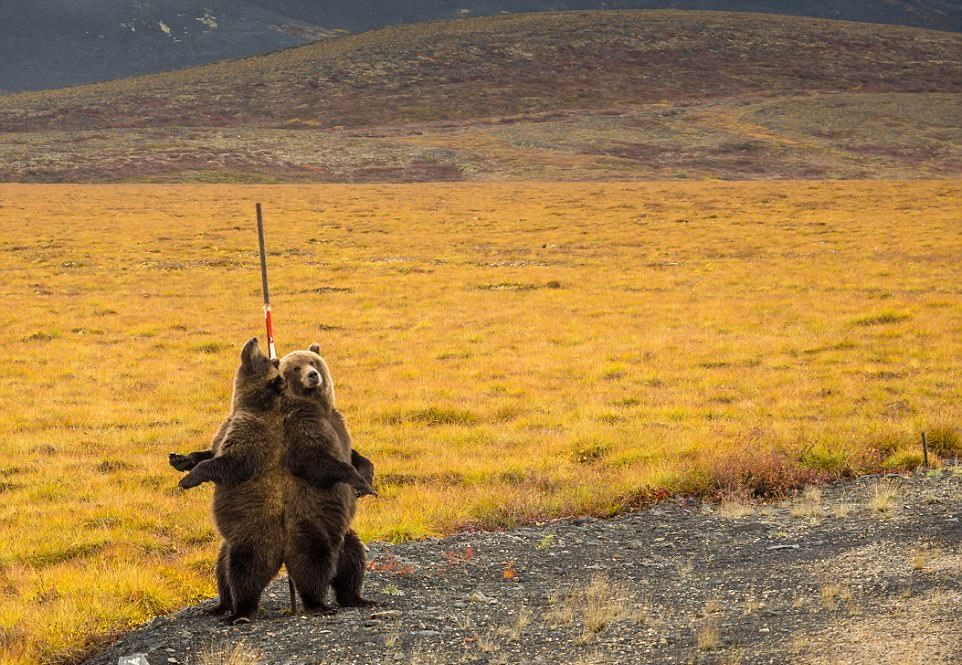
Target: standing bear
(323,550)
(246,467)
(279,465)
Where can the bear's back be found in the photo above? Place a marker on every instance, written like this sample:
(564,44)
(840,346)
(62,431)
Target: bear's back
(254,508)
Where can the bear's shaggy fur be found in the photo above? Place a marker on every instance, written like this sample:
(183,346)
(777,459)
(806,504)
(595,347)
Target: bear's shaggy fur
(323,550)
(247,469)
(270,460)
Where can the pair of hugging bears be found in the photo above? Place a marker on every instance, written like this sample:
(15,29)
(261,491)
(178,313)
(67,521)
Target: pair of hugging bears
(286,483)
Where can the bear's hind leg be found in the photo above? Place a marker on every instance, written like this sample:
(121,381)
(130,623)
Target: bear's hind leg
(224,602)
(311,564)
(250,569)
(349,577)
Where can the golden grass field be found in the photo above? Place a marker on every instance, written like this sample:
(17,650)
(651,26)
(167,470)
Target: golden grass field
(503,352)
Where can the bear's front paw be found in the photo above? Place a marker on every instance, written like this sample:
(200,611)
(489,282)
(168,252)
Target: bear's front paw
(189,481)
(363,489)
(181,462)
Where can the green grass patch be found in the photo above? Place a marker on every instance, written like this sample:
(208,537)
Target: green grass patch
(882,318)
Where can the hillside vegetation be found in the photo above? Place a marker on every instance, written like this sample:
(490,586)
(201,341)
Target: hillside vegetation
(569,95)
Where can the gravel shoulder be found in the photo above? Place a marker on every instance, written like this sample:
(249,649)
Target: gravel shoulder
(868,571)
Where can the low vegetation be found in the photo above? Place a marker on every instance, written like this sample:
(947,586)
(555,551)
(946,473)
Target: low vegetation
(594,607)
(559,96)
(883,498)
(238,653)
(704,340)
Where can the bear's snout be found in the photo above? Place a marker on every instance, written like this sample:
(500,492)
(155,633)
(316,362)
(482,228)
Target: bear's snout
(312,378)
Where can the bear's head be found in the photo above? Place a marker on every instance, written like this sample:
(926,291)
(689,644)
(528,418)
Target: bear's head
(306,375)
(258,381)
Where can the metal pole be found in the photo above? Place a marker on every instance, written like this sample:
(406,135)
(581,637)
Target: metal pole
(266,288)
(268,322)
(925,451)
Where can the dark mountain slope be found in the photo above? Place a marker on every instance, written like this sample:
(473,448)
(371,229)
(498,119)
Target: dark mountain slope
(369,14)
(56,43)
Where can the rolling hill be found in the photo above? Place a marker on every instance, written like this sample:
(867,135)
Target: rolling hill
(361,15)
(581,95)
(47,44)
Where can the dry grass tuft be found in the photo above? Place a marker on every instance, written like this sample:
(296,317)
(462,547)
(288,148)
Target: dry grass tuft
(595,605)
(752,605)
(735,508)
(513,631)
(922,558)
(708,636)
(733,657)
(591,658)
(487,643)
(238,654)
(842,509)
(393,636)
(810,505)
(883,497)
(835,596)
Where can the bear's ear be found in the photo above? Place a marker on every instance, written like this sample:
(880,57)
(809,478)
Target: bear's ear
(315,348)
(251,352)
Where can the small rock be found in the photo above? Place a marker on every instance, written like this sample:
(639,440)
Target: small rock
(385,614)
(426,633)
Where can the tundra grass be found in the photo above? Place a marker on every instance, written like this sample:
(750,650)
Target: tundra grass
(504,353)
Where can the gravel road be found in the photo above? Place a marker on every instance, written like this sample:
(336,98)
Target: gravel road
(868,571)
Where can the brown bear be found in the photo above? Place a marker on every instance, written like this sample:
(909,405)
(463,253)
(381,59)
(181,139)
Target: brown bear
(252,460)
(323,550)
(249,488)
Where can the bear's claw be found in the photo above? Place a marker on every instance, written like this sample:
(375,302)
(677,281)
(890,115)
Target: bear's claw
(358,602)
(180,462)
(189,481)
(218,609)
(364,490)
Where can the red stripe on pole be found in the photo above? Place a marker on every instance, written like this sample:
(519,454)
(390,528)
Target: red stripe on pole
(270,333)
